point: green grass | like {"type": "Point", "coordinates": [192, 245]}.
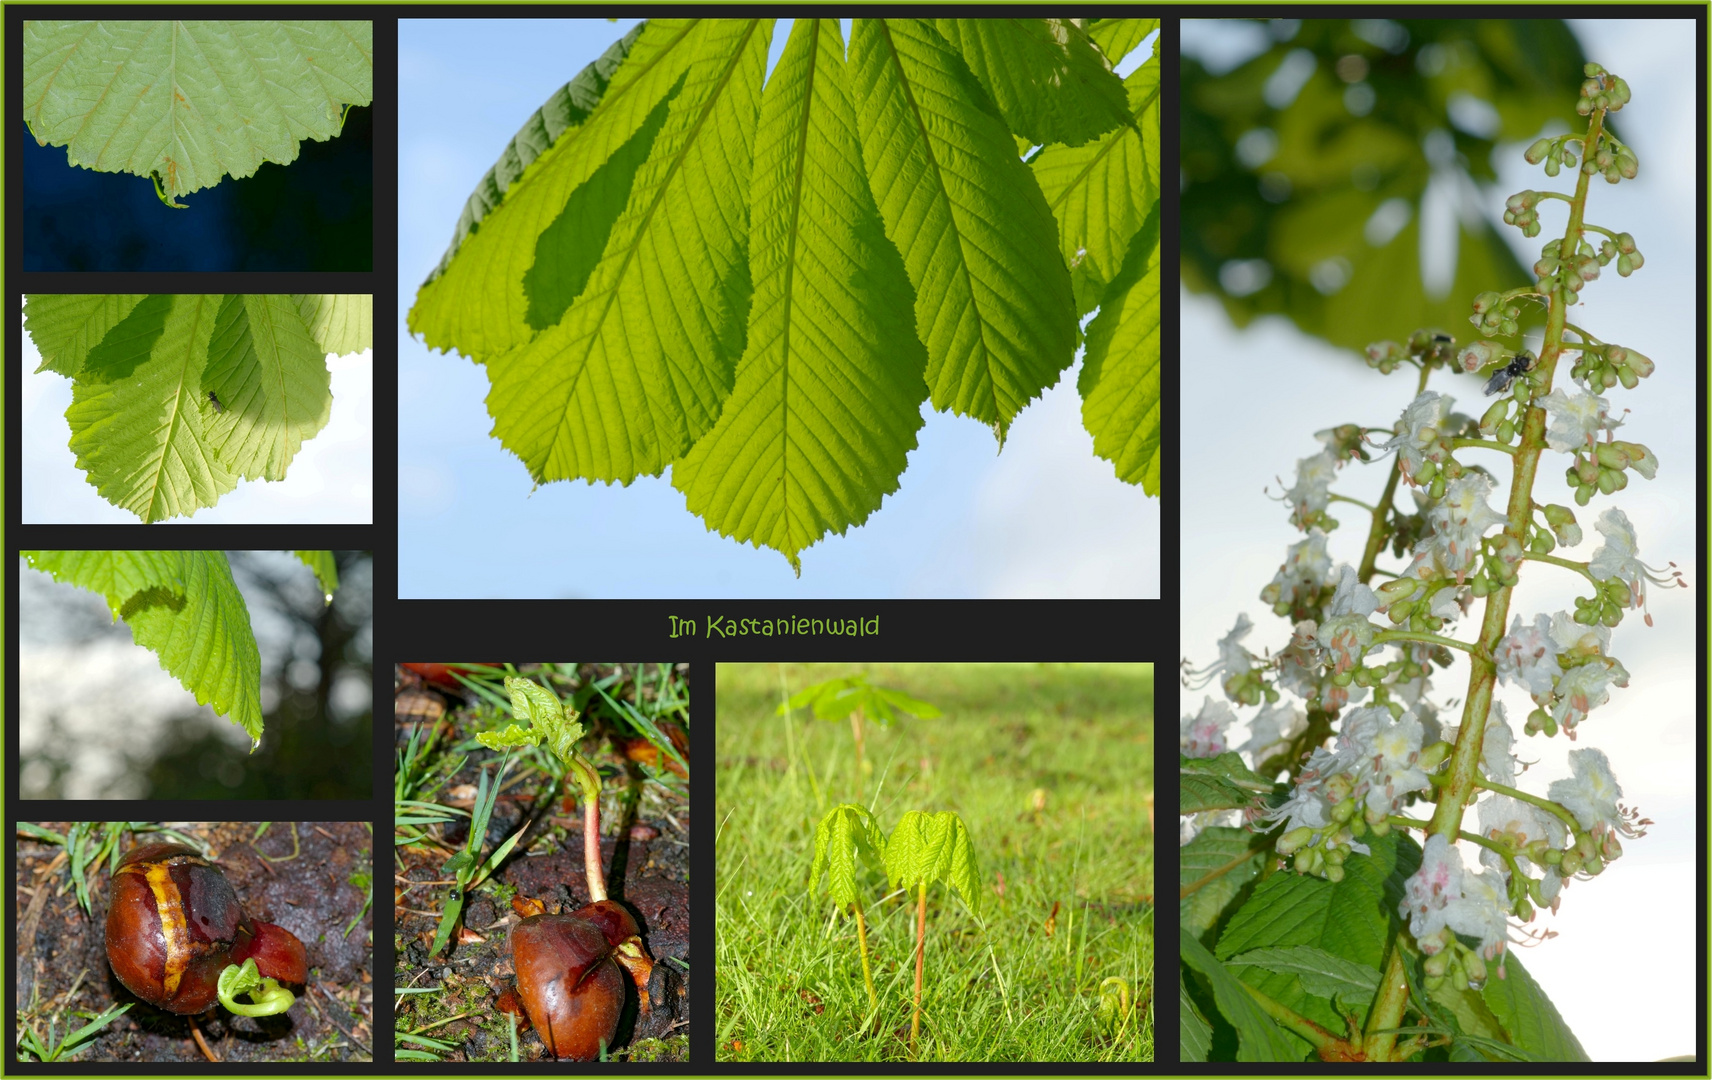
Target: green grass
{"type": "Point", "coordinates": [1076, 741]}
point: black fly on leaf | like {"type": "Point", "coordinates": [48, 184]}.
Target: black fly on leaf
{"type": "Point", "coordinates": [219, 408]}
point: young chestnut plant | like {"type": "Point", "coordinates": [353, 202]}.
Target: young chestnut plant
{"type": "Point", "coordinates": [845, 833]}
{"type": "Point", "coordinates": [854, 696]}
{"type": "Point", "coordinates": [923, 849]}
{"type": "Point", "coordinates": [570, 967]}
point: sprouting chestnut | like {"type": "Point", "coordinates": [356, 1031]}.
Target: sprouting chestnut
{"type": "Point", "coordinates": [571, 972]}
{"type": "Point", "coordinates": [174, 924]}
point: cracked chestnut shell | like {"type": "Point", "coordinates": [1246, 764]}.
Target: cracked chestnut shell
{"type": "Point", "coordinates": [174, 923]}
{"type": "Point", "coordinates": [570, 977]}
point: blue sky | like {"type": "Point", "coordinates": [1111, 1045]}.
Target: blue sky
{"type": "Point", "coordinates": [1044, 518]}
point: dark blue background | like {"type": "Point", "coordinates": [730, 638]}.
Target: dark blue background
{"type": "Point", "coordinates": [315, 214]}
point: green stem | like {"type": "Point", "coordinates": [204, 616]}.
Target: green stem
{"type": "Point", "coordinates": [588, 780]}
{"type": "Point", "coordinates": [1322, 1040]}
{"type": "Point", "coordinates": [1214, 875]}
{"type": "Point", "coordinates": [1385, 636]}
{"type": "Point", "coordinates": [1578, 567]}
{"type": "Point", "coordinates": [1388, 1008]}
{"type": "Point", "coordinates": [1353, 502]}
{"type": "Point", "coordinates": [862, 941]}
{"type": "Point", "coordinates": [1544, 804]}
{"type": "Point", "coordinates": [1464, 834]}
{"type": "Point", "coordinates": [1376, 531]}
{"type": "Point", "coordinates": [920, 946]}
{"type": "Point", "coordinates": [856, 730]}
{"type": "Point", "coordinates": [1482, 444]}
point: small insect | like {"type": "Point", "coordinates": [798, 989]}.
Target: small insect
{"type": "Point", "coordinates": [212, 400]}
{"type": "Point", "coordinates": [1504, 376]}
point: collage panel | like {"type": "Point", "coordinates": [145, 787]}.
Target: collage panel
{"type": "Point", "coordinates": [174, 675]}
{"type": "Point", "coordinates": [922, 862]}
{"type": "Point", "coordinates": [542, 839]}
{"type": "Point", "coordinates": [779, 307]}
{"type": "Point", "coordinates": [218, 409]}
{"type": "Point", "coordinates": [194, 942]}
{"type": "Point", "coordinates": [197, 145]}
{"type": "Point", "coordinates": [1442, 774]}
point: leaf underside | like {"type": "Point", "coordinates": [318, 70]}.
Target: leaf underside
{"type": "Point", "coordinates": [997, 319]}
{"type": "Point", "coordinates": [1049, 81]}
{"type": "Point", "coordinates": [143, 424]}
{"type": "Point", "coordinates": [828, 394]}
{"type": "Point", "coordinates": [636, 370]}
{"type": "Point", "coordinates": [674, 265]}
{"type": "Point", "coordinates": [1120, 367]}
{"type": "Point", "coordinates": [191, 102]}
{"type": "Point", "coordinates": [844, 834]}
{"type": "Point", "coordinates": [185, 607]}
{"type": "Point", "coordinates": [927, 848]}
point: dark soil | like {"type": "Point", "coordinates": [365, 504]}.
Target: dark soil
{"type": "Point", "coordinates": [644, 847]}
{"type": "Point", "coordinates": [62, 953]}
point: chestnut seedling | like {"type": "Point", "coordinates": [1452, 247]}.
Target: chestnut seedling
{"type": "Point", "coordinates": [570, 968]}
{"type": "Point", "coordinates": [179, 939]}
{"type": "Point", "coordinates": [923, 849]}
{"type": "Point", "coordinates": [843, 834]}
{"type": "Point", "coordinates": [854, 696]}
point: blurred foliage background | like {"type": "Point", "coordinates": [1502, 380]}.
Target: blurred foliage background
{"type": "Point", "coordinates": [1317, 167]}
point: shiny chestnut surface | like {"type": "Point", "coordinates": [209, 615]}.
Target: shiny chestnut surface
{"type": "Point", "coordinates": [174, 923]}
{"type": "Point", "coordinates": [569, 981]}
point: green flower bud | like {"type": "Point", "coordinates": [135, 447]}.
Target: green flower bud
{"type": "Point", "coordinates": [1294, 840]}
{"type": "Point", "coordinates": [1609, 846]}
{"type": "Point", "coordinates": [1334, 873]}
{"type": "Point", "coordinates": [1434, 756]}
{"type": "Point", "coordinates": [1611, 456]}
{"type": "Point", "coordinates": [1537, 152]}
{"type": "Point", "coordinates": [1339, 787]}
{"type": "Point", "coordinates": [1491, 418]}
{"type": "Point", "coordinates": [1437, 964]}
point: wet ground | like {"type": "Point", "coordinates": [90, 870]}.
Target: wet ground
{"type": "Point", "coordinates": [318, 894]}
{"type": "Point", "coordinates": [644, 848]}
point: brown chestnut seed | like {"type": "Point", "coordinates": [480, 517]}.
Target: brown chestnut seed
{"type": "Point", "coordinates": [571, 973]}
{"type": "Point", "coordinates": [174, 924]}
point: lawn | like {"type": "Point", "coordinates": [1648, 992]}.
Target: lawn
{"type": "Point", "coordinates": [1051, 768]}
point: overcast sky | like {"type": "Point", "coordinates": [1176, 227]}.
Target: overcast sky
{"type": "Point", "coordinates": [1044, 518]}
{"type": "Point", "coordinates": [1252, 402]}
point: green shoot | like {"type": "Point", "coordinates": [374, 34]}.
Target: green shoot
{"type": "Point", "coordinates": [270, 998]}
{"type": "Point", "coordinates": [555, 724]}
